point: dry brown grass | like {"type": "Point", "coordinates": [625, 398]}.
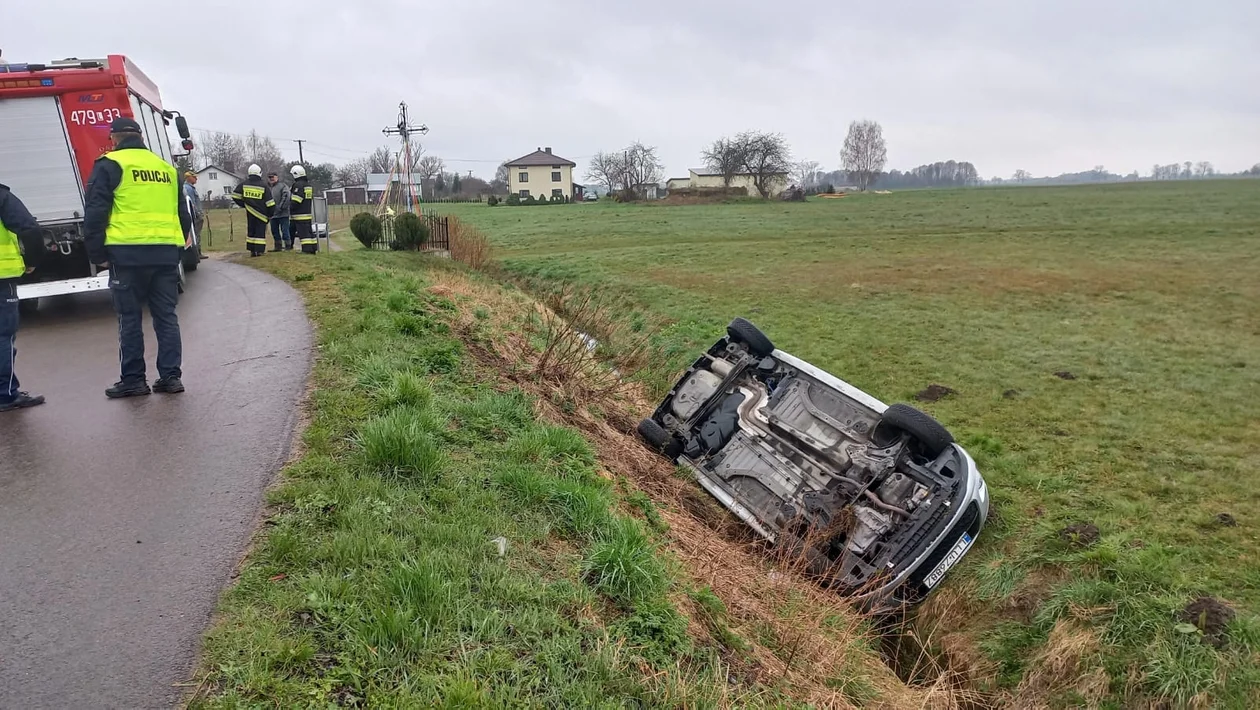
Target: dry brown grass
{"type": "Point", "coordinates": [468, 244]}
{"type": "Point", "coordinates": [800, 638]}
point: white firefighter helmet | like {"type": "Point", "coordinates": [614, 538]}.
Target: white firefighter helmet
{"type": "Point", "coordinates": [255, 170]}
{"type": "Point", "coordinates": [297, 171]}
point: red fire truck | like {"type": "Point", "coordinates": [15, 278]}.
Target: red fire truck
{"type": "Point", "coordinates": [54, 123]}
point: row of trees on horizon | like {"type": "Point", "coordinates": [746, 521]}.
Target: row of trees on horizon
{"type": "Point", "coordinates": [762, 155]}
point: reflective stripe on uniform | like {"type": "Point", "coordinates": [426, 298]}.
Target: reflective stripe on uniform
{"type": "Point", "coordinates": [301, 217]}
{"type": "Point", "coordinates": [296, 197]}
{"type": "Point", "coordinates": [12, 265]}
{"type": "Point", "coordinates": [256, 213]}
{"type": "Point", "coordinates": [146, 201]}
{"type": "Point", "coordinates": [256, 240]}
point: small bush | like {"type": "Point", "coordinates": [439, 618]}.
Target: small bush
{"type": "Point", "coordinates": [531, 200]}
{"type": "Point", "coordinates": [513, 200]}
{"type": "Point", "coordinates": [412, 231]}
{"type": "Point", "coordinates": [492, 201]}
{"type": "Point", "coordinates": [468, 245]}
{"type": "Point", "coordinates": [829, 189]}
{"type": "Point", "coordinates": [366, 228]}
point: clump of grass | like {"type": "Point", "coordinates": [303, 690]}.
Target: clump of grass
{"type": "Point", "coordinates": [402, 443]}
{"type": "Point", "coordinates": [623, 565]}
{"type": "Point", "coordinates": [407, 389]}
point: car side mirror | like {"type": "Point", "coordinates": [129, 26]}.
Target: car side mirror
{"type": "Point", "coordinates": [181, 125]}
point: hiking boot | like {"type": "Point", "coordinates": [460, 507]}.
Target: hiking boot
{"type": "Point", "coordinates": [128, 389]}
{"type": "Point", "coordinates": [22, 401]}
{"type": "Point", "coordinates": [168, 385]}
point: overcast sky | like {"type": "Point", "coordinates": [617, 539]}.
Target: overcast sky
{"type": "Point", "coordinates": [1058, 87]}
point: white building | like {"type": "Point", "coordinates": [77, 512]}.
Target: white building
{"type": "Point", "coordinates": [215, 182]}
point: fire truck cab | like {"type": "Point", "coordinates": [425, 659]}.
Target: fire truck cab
{"type": "Point", "coordinates": [54, 124]}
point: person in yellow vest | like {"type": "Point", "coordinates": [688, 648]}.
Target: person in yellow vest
{"type": "Point", "coordinates": [255, 197]}
{"type": "Point", "coordinates": [134, 224]}
{"type": "Point", "coordinates": [21, 245]}
{"type": "Point", "coordinates": [303, 199]}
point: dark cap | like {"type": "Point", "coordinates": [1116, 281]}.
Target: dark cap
{"type": "Point", "coordinates": [124, 125]}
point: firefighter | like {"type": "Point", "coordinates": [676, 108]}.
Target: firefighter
{"type": "Point", "coordinates": [134, 224]}
{"type": "Point", "coordinates": [21, 244]}
{"type": "Point", "coordinates": [303, 199]}
{"type": "Point", "coordinates": [255, 197]}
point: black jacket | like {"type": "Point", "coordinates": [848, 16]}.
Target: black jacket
{"type": "Point", "coordinates": [18, 219]}
{"type": "Point", "coordinates": [106, 174]}
{"type": "Point", "coordinates": [258, 210]}
{"type": "Point", "coordinates": [303, 197]}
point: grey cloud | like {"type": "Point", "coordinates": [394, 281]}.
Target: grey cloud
{"type": "Point", "coordinates": [1053, 87]}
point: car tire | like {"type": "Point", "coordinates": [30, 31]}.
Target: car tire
{"type": "Point", "coordinates": [191, 257]}
{"type": "Point", "coordinates": [931, 435]}
{"type": "Point", "coordinates": [741, 331]}
{"type": "Point", "coordinates": [656, 437]}
{"type": "Point", "coordinates": [28, 307]}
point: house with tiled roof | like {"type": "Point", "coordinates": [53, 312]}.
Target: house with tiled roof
{"type": "Point", "coordinates": [541, 174]}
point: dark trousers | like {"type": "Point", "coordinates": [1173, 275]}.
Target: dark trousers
{"type": "Point", "coordinates": [303, 232]}
{"type": "Point", "coordinates": [255, 235]}
{"type": "Point", "coordinates": [8, 339]}
{"type": "Point", "coordinates": [133, 288]}
{"type": "Point", "coordinates": [280, 233]}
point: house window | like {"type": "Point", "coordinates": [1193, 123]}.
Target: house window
{"type": "Point", "coordinates": [213, 176]}
{"type": "Point", "coordinates": [557, 192]}
{"type": "Point", "coordinates": [523, 177]}
{"type": "Point", "coordinates": [555, 176]}
{"type": "Point", "coordinates": [524, 193]}
{"type": "Point", "coordinates": [227, 190]}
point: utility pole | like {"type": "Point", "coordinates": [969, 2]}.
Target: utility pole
{"type": "Point", "coordinates": [300, 141]}
{"type": "Point", "coordinates": [404, 129]}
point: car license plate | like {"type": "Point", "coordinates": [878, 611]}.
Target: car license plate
{"type": "Point", "coordinates": [955, 553]}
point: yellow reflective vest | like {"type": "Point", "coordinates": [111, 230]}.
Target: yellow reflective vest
{"type": "Point", "coordinates": [146, 201]}
{"type": "Point", "coordinates": [12, 265]}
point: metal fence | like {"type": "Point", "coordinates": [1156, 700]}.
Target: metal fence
{"type": "Point", "coordinates": [439, 233]}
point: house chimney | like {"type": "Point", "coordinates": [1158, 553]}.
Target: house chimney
{"type": "Point", "coordinates": [548, 149]}
{"type": "Point", "coordinates": [539, 148]}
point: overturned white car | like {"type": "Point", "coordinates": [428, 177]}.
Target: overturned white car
{"type": "Point", "coordinates": [878, 499]}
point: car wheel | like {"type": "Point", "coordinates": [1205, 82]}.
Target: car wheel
{"type": "Point", "coordinates": [931, 435]}
{"type": "Point", "coordinates": [191, 257]}
{"type": "Point", "coordinates": [28, 307]}
{"type": "Point", "coordinates": [741, 331]}
{"type": "Point", "coordinates": [656, 436]}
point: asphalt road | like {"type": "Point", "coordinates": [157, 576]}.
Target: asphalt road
{"type": "Point", "coordinates": [121, 521]}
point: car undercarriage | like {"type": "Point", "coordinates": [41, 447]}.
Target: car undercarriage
{"type": "Point", "coordinates": [877, 500]}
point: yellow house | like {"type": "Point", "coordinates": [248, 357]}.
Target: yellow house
{"type": "Point", "coordinates": [541, 174]}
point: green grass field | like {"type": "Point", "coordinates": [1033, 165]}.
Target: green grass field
{"type": "Point", "coordinates": [1104, 348]}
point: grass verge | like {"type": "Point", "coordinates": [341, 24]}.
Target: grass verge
{"type": "Point", "coordinates": [443, 542]}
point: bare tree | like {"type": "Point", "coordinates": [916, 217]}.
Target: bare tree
{"type": "Point", "coordinates": [1021, 176]}
{"type": "Point", "coordinates": [381, 160]}
{"type": "Point", "coordinates": [263, 152]}
{"type": "Point", "coordinates": [224, 150]}
{"type": "Point", "coordinates": [766, 158]}
{"type": "Point", "coordinates": [641, 167]}
{"type": "Point", "coordinates": [430, 167]}
{"type": "Point", "coordinates": [352, 173]}
{"type": "Point", "coordinates": [499, 184]}
{"type": "Point", "coordinates": [725, 157]}
{"type": "Point", "coordinates": [1204, 169]}
{"type": "Point", "coordinates": [803, 172]}
{"type": "Point", "coordinates": [865, 152]}
{"type": "Point", "coordinates": [607, 169]}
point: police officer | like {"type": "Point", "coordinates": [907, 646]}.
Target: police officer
{"type": "Point", "coordinates": [255, 197]}
{"type": "Point", "coordinates": [303, 199]}
{"type": "Point", "coordinates": [134, 224]}
{"type": "Point", "coordinates": [19, 233]}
